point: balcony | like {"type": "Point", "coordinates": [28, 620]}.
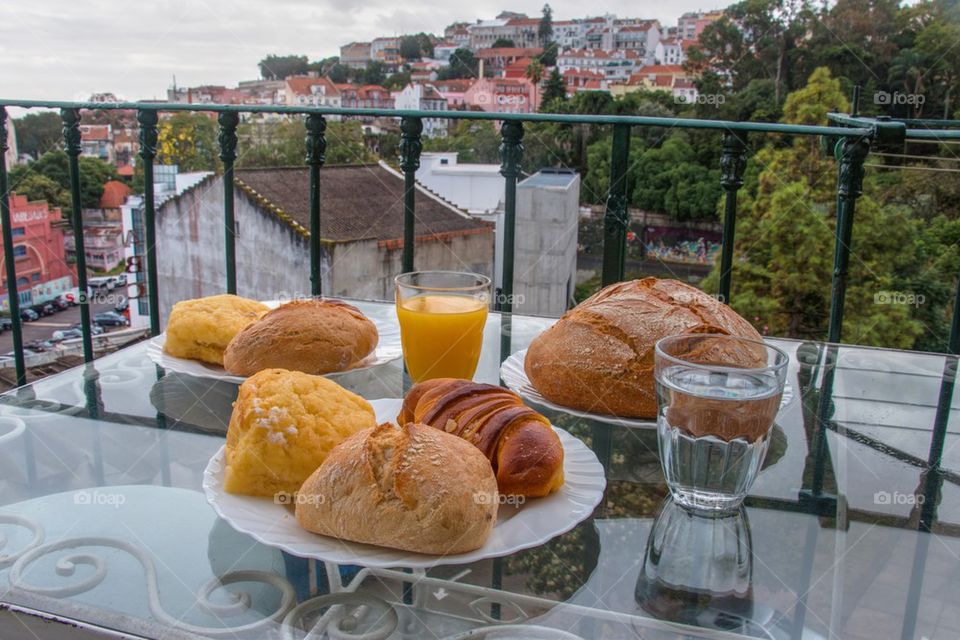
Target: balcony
{"type": "Point", "coordinates": [834, 455]}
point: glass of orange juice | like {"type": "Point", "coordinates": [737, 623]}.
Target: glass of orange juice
{"type": "Point", "coordinates": [441, 315]}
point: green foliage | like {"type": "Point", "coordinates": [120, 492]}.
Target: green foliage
{"type": "Point", "coordinates": [475, 141]}
{"type": "Point", "coordinates": [38, 133]}
{"type": "Point", "coordinates": [274, 67]}
{"type": "Point", "coordinates": [188, 140]}
{"type": "Point", "coordinates": [281, 144]}
{"type": "Point", "coordinates": [417, 46]}
{"type": "Point", "coordinates": [545, 28]}
{"type": "Point", "coordinates": [463, 64]}
{"type": "Point", "coordinates": [503, 42]}
{"type": "Point", "coordinates": [548, 57]}
{"type": "Point", "coordinates": [49, 179]}
{"type": "Point", "coordinates": [340, 73]}
{"type": "Point", "coordinates": [397, 81]}
{"type": "Point", "coordinates": [554, 90]}
{"type": "Point", "coordinates": [375, 73]}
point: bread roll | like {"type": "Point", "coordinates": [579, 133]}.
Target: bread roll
{"type": "Point", "coordinates": [412, 488]}
{"type": "Point", "coordinates": [599, 356]}
{"type": "Point", "coordinates": [524, 450]}
{"type": "Point", "coordinates": [283, 426]}
{"type": "Point", "coordinates": [314, 336]}
{"type": "Point", "coordinates": [200, 329]}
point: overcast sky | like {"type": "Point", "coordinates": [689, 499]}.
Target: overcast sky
{"type": "Point", "coordinates": [68, 49]}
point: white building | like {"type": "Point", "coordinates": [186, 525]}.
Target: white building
{"type": "Point", "coordinates": [669, 52]}
{"type": "Point", "coordinates": [613, 65]}
{"type": "Point", "coordinates": [424, 97]}
{"type": "Point", "coordinates": [475, 188]}
{"type": "Point", "coordinates": [443, 50]}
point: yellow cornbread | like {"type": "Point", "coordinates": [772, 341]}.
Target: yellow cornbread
{"type": "Point", "coordinates": [284, 423]}
{"type": "Point", "coordinates": [201, 329]}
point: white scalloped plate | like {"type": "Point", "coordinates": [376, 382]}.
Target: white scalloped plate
{"type": "Point", "coordinates": [532, 524]}
{"type": "Point", "coordinates": [515, 377]}
{"type": "Point", "coordinates": [388, 349]}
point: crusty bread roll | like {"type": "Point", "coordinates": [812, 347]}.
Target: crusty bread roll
{"type": "Point", "coordinates": [283, 425]}
{"type": "Point", "coordinates": [524, 450]}
{"type": "Point", "coordinates": [200, 329]}
{"type": "Point", "coordinates": [314, 336]}
{"type": "Point", "coordinates": [412, 488]}
{"type": "Point", "coordinates": [599, 356]}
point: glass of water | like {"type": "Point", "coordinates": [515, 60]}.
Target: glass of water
{"type": "Point", "coordinates": [717, 397]}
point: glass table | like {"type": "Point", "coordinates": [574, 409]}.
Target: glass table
{"type": "Point", "coordinates": [104, 530]}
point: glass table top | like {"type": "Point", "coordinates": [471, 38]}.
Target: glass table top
{"type": "Point", "coordinates": [846, 534]}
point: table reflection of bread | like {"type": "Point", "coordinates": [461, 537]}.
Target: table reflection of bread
{"type": "Point", "coordinates": [413, 488]}
{"type": "Point", "coordinates": [524, 450]}
{"type": "Point", "coordinates": [283, 426]}
{"type": "Point", "coordinates": [200, 329]}
{"type": "Point", "coordinates": [314, 336]}
{"type": "Point", "coordinates": [599, 356]}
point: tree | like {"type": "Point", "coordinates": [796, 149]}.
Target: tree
{"type": "Point", "coordinates": [410, 48]}
{"type": "Point", "coordinates": [545, 28]}
{"type": "Point", "coordinates": [463, 64]}
{"type": "Point", "coordinates": [339, 73]}
{"type": "Point", "coordinates": [54, 166]}
{"type": "Point", "coordinates": [38, 133]}
{"type": "Point", "coordinates": [36, 186]}
{"type": "Point", "coordinates": [548, 57]}
{"type": "Point", "coordinates": [503, 43]}
{"type": "Point", "coordinates": [274, 67]}
{"type": "Point", "coordinates": [534, 73]}
{"type": "Point", "coordinates": [375, 73]}
{"type": "Point", "coordinates": [475, 141]}
{"type": "Point", "coordinates": [188, 140]}
{"type": "Point", "coordinates": [397, 81]}
{"type": "Point", "coordinates": [281, 144]}
{"type": "Point", "coordinates": [554, 90]}
{"type": "Point", "coordinates": [323, 67]}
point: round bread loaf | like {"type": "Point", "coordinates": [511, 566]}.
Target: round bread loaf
{"type": "Point", "coordinates": [314, 336]}
{"type": "Point", "coordinates": [599, 356]}
{"type": "Point", "coordinates": [200, 329]}
{"type": "Point", "coordinates": [283, 426]}
{"type": "Point", "coordinates": [413, 487]}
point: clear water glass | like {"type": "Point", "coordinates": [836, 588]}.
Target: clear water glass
{"type": "Point", "coordinates": [717, 398]}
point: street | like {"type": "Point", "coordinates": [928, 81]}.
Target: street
{"type": "Point", "coordinates": [43, 328]}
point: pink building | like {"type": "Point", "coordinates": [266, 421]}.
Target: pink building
{"type": "Point", "coordinates": [503, 95]}
{"type": "Point", "coordinates": [454, 91]}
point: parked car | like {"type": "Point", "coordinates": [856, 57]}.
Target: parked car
{"type": "Point", "coordinates": [60, 303]}
{"type": "Point", "coordinates": [66, 334]}
{"type": "Point", "coordinates": [29, 315]}
{"type": "Point", "coordinates": [110, 319]}
{"type": "Point", "coordinates": [39, 346]}
{"type": "Point", "coordinates": [123, 306]}
{"type": "Point", "coordinates": [121, 280]}
{"type": "Point", "coordinates": [95, 329]}
{"type": "Point", "coordinates": [46, 309]}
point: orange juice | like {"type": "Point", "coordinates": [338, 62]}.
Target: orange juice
{"type": "Point", "coordinates": [441, 335]}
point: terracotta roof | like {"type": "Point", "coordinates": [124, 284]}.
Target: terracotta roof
{"type": "Point", "coordinates": [95, 131]}
{"type": "Point", "coordinates": [357, 202]}
{"type": "Point", "coordinates": [125, 170]}
{"type": "Point", "coordinates": [664, 81]}
{"type": "Point", "coordinates": [114, 194]}
{"type": "Point", "coordinates": [654, 69]}
{"type": "Point", "coordinates": [584, 73]}
{"type": "Point", "coordinates": [684, 84]}
{"type": "Point", "coordinates": [454, 86]}
{"type": "Point", "coordinates": [509, 52]}
{"type": "Point", "coordinates": [301, 85]}
{"type": "Point", "coordinates": [523, 22]}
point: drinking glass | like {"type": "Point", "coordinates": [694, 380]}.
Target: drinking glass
{"type": "Point", "coordinates": [442, 314]}
{"type": "Point", "coordinates": [717, 397]}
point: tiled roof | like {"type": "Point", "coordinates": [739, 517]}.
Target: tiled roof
{"type": "Point", "coordinates": [114, 194]}
{"type": "Point", "coordinates": [454, 86]}
{"type": "Point", "coordinates": [655, 69]}
{"type": "Point", "coordinates": [509, 52]}
{"type": "Point", "coordinates": [356, 202]}
{"type": "Point", "coordinates": [301, 85]}
{"type": "Point", "coordinates": [95, 131]}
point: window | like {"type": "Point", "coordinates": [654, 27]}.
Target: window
{"type": "Point", "coordinates": [19, 251]}
{"type": "Point", "coordinates": [35, 277]}
{"type": "Point", "coordinates": [21, 282]}
{"type": "Point", "coordinates": [18, 231]}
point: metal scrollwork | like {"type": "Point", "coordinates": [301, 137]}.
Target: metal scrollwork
{"type": "Point", "coordinates": [733, 161]}
{"type": "Point", "coordinates": [851, 153]}
{"type": "Point", "coordinates": [71, 131]}
{"type": "Point", "coordinates": [345, 612]}
{"type": "Point", "coordinates": [228, 121]}
{"type": "Point", "coordinates": [511, 148]}
{"type": "Point", "coordinates": [66, 566]}
{"type": "Point", "coordinates": [7, 559]}
{"type": "Point", "coordinates": [148, 134]}
{"type": "Point", "coordinates": [316, 140]}
{"type": "Point", "coordinates": [410, 143]}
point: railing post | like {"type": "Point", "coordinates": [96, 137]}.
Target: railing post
{"type": "Point", "coordinates": [851, 154]}
{"type": "Point", "coordinates": [616, 219]}
{"type": "Point", "coordinates": [13, 295]}
{"type": "Point", "coordinates": [71, 138]}
{"type": "Point", "coordinates": [733, 162]}
{"type": "Point", "coordinates": [148, 151]}
{"type": "Point", "coordinates": [316, 156]}
{"type": "Point", "coordinates": [228, 153]}
{"type": "Point", "coordinates": [410, 148]}
{"type": "Point", "coordinates": [511, 158]}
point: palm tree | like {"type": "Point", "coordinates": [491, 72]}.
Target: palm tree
{"type": "Point", "coordinates": [534, 74]}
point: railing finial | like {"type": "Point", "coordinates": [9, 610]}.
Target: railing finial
{"type": "Point", "coordinates": [316, 140]}
{"type": "Point", "coordinates": [410, 143]}
{"type": "Point", "coordinates": [733, 161]}
{"type": "Point", "coordinates": [71, 131]}
{"type": "Point", "coordinates": [148, 134]}
{"type": "Point", "coordinates": [228, 121]}
{"type": "Point", "coordinates": [511, 148]}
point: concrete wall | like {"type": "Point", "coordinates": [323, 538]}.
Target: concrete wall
{"type": "Point", "coordinates": [273, 261]}
{"type": "Point", "coordinates": [546, 248]}
{"type": "Point", "coordinates": [475, 188]}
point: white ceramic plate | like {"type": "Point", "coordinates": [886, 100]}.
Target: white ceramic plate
{"type": "Point", "coordinates": [532, 524]}
{"type": "Point", "coordinates": [515, 377]}
{"type": "Point", "coordinates": [388, 349]}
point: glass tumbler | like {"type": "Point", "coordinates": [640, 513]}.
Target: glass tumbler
{"type": "Point", "coordinates": [717, 397]}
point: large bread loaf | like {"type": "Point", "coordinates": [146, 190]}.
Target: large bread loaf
{"type": "Point", "coordinates": [599, 356]}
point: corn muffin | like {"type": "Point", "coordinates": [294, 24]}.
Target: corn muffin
{"type": "Point", "coordinates": [201, 329]}
{"type": "Point", "coordinates": [283, 426]}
